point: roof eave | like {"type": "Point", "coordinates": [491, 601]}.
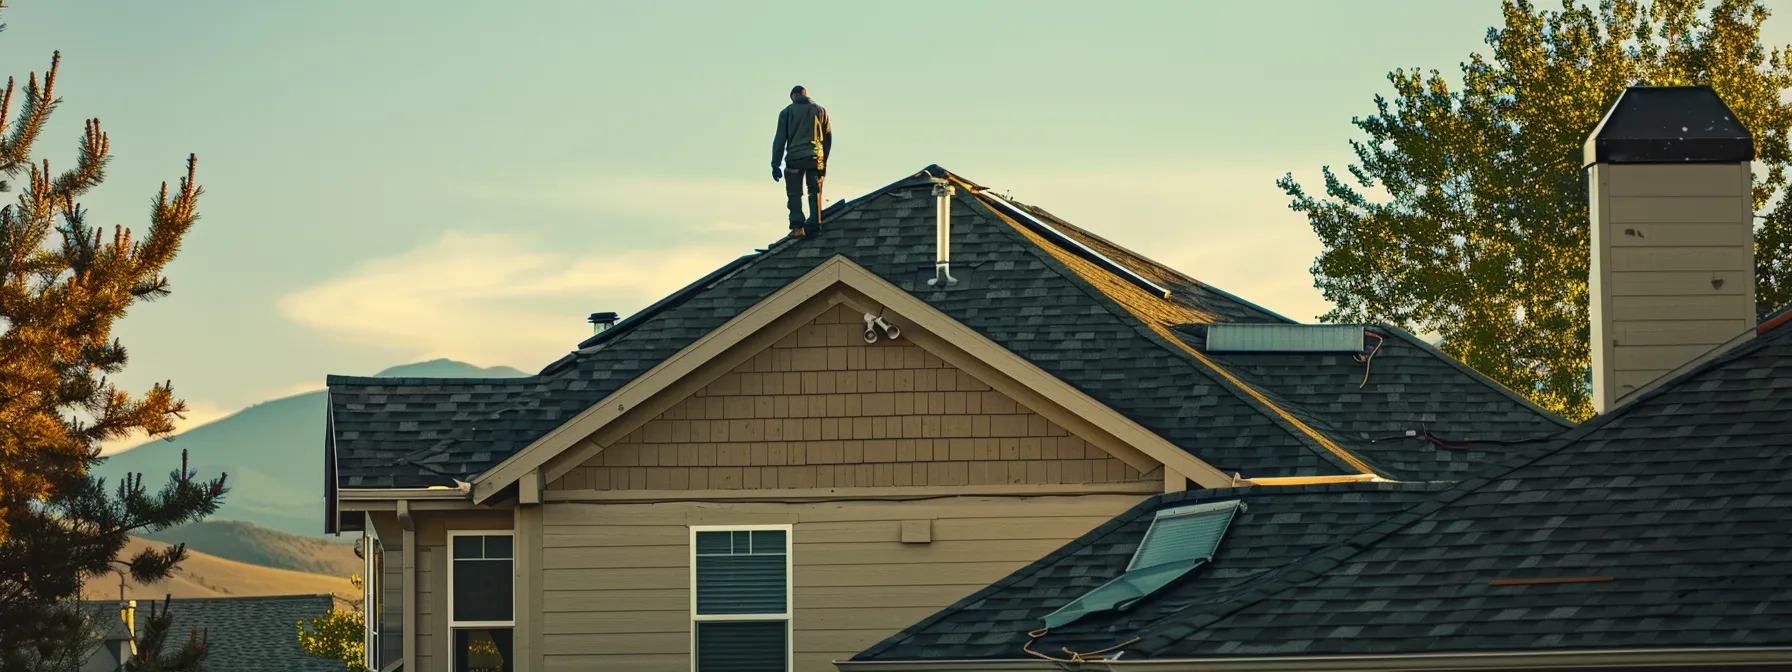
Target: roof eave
{"type": "Point", "coordinates": [1490, 660]}
{"type": "Point", "coordinates": [390, 494]}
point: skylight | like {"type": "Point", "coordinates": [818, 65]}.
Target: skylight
{"type": "Point", "coordinates": [1285, 338]}
{"type": "Point", "coordinates": [1178, 541]}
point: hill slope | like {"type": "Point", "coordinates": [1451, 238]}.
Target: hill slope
{"type": "Point", "coordinates": [203, 575]}
{"type": "Point", "coordinates": [249, 543]}
{"type": "Point", "coordinates": [273, 451]}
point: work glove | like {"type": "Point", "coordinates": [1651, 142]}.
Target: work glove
{"type": "Point", "coordinates": [777, 173]}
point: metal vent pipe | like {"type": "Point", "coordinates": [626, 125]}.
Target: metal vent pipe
{"type": "Point", "coordinates": [942, 259]}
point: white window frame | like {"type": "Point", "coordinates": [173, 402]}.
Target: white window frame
{"type": "Point", "coordinates": [474, 625]}
{"type": "Point", "coordinates": [789, 594]}
{"type": "Point", "coordinates": [371, 584]}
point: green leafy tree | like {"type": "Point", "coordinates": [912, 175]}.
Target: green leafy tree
{"type": "Point", "coordinates": [338, 634]}
{"type": "Point", "coordinates": [63, 285]}
{"type": "Point", "coordinates": [1480, 232]}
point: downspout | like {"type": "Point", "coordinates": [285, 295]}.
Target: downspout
{"type": "Point", "coordinates": [942, 212]}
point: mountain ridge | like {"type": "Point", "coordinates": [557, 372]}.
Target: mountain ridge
{"type": "Point", "coordinates": [272, 451]}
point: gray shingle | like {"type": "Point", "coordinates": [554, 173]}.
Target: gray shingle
{"type": "Point", "coordinates": [243, 634]}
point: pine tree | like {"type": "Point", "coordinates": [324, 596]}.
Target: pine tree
{"type": "Point", "coordinates": [150, 655]}
{"type": "Point", "coordinates": [63, 285]}
{"type": "Point", "coordinates": [1483, 237]}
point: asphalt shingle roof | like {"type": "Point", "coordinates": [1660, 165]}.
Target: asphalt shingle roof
{"type": "Point", "coordinates": [243, 634]}
{"type": "Point", "coordinates": [1666, 523]}
{"type": "Point", "coordinates": [1073, 318]}
{"type": "Point", "coordinates": [1277, 527]}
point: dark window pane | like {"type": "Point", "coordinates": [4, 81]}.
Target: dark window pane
{"type": "Point", "coordinates": [467, 547]}
{"type": "Point", "coordinates": [483, 650]}
{"type": "Point", "coordinates": [740, 584]}
{"type": "Point", "coordinates": [482, 590]}
{"type": "Point", "coordinates": [768, 541]}
{"type": "Point", "coordinates": [497, 546]}
{"type": "Point", "coordinates": [741, 646]}
{"type": "Point", "coordinates": [712, 543]}
{"type": "Point", "coordinates": [740, 541]}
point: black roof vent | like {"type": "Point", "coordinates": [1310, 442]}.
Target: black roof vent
{"type": "Point", "coordinates": [601, 321]}
{"type": "Point", "coordinates": [1669, 124]}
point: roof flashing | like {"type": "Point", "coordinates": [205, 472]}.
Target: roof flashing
{"type": "Point", "coordinates": [1071, 245]}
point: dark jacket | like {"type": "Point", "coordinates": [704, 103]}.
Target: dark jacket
{"type": "Point", "coordinates": [803, 133]}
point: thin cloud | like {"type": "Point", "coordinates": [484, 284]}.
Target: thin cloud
{"type": "Point", "coordinates": [198, 414]}
{"type": "Point", "coordinates": [492, 297]}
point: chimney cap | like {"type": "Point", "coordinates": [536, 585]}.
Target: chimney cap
{"type": "Point", "coordinates": [1669, 124]}
{"type": "Point", "coordinates": [605, 318]}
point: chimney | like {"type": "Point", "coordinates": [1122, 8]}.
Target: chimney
{"type": "Point", "coordinates": [942, 214]}
{"type": "Point", "coordinates": [1673, 273]}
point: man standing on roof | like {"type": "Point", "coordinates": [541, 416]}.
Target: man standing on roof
{"type": "Point", "coordinates": [803, 144]}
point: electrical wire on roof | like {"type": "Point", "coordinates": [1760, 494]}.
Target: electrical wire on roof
{"type": "Point", "coordinates": [1368, 358]}
{"type": "Point", "coordinates": [1470, 444]}
{"type": "Point", "coordinates": [1074, 656]}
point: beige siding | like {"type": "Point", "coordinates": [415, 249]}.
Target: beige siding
{"type": "Point", "coordinates": [391, 619]}
{"type": "Point", "coordinates": [432, 576]}
{"type": "Point", "coordinates": [1672, 269]}
{"type": "Point", "coordinates": [822, 409]}
{"type": "Point", "coordinates": [616, 577]}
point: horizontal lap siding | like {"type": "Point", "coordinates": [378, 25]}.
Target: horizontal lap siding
{"type": "Point", "coordinates": [432, 576]}
{"type": "Point", "coordinates": [616, 577]}
{"type": "Point", "coordinates": [822, 409]}
{"type": "Point", "coordinates": [1673, 270]}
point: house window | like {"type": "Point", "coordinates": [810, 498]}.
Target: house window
{"type": "Point", "coordinates": [740, 598]}
{"type": "Point", "coordinates": [481, 601]}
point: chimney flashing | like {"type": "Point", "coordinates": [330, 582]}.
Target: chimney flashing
{"type": "Point", "coordinates": [1668, 124]}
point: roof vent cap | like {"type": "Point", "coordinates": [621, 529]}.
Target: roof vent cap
{"type": "Point", "coordinates": [601, 321]}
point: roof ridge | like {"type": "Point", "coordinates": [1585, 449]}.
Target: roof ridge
{"type": "Point", "coordinates": [1161, 335]}
{"type": "Point", "coordinates": [334, 379]}
{"type": "Point", "coordinates": [237, 598]}
{"type": "Point", "coordinates": [1153, 263]}
{"type": "Point", "coordinates": [1396, 330]}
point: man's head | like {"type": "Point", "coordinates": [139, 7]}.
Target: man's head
{"type": "Point", "coordinates": [797, 92]}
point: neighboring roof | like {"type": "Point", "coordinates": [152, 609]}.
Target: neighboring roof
{"type": "Point", "coordinates": [1661, 525]}
{"type": "Point", "coordinates": [1071, 316]}
{"type": "Point", "coordinates": [1278, 526]}
{"type": "Point", "coordinates": [1669, 124]}
{"type": "Point", "coordinates": [106, 618]}
{"type": "Point", "coordinates": [243, 634]}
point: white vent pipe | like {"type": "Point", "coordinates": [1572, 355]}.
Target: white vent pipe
{"type": "Point", "coordinates": [942, 260]}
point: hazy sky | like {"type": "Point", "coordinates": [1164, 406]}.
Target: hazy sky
{"type": "Point", "coordinates": [393, 181]}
